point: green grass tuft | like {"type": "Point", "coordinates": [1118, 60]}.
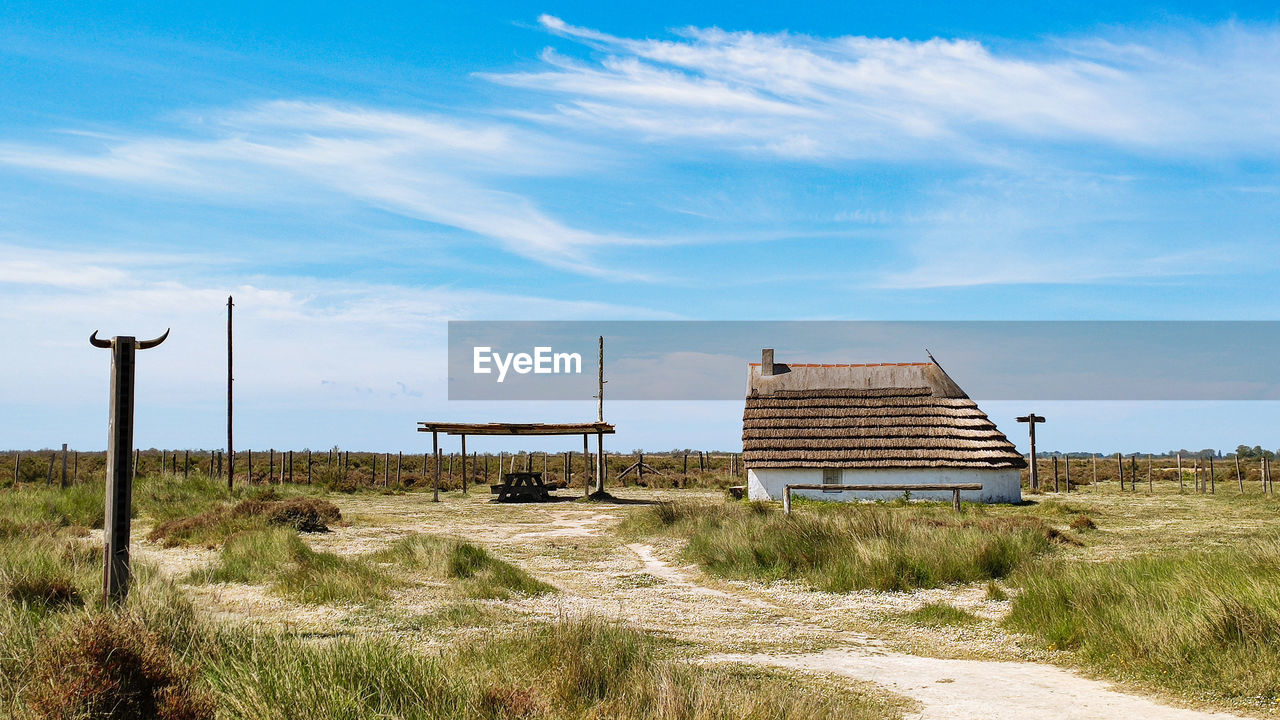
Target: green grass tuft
{"type": "Point", "coordinates": [479, 573]}
{"type": "Point", "coordinates": [847, 547]}
{"type": "Point", "coordinates": [1201, 623]}
{"type": "Point", "coordinates": [278, 557]}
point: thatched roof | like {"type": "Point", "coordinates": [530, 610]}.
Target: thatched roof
{"type": "Point", "coordinates": [903, 415]}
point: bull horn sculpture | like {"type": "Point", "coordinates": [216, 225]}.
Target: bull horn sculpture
{"type": "Point", "coordinates": [147, 344]}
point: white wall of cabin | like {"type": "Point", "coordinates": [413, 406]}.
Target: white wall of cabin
{"type": "Point", "coordinates": [998, 485]}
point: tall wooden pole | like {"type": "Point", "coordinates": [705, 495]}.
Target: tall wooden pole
{"type": "Point", "coordinates": [231, 445]}
{"type": "Point", "coordinates": [1239, 477]}
{"type": "Point", "coordinates": [63, 483]}
{"type": "Point", "coordinates": [119, 474]}
{"type": "Point", "coordinates": [586, 465]}
{"type": "Point", "coordinates": [464, 464]}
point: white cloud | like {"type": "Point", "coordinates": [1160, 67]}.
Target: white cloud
{"type": "Point", "coordinates": [440, 170]}
{"type": "Point", "coordinates": [1205, 90]}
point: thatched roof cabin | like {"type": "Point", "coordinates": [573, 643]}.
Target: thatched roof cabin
{"type": "Point", "coordinates": [864, 417]}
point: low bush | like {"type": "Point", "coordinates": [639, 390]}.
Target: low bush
{"type": "Point", "coordinates": [304, 514]}
{"type": "Point", "coordinates": [1082, 523]}
{"type": "Point", "coordinates": [107, 666]}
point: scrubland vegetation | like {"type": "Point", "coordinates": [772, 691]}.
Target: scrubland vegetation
{"type": "Point", "coordinates": [64, 655]}
{"type": "Point", "coordinates": [851, 546]}
{"type": "Point", "coordinates": [1204, 623]}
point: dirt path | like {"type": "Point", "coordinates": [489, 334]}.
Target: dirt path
{"type": "Point", "coordinates": [958, 689]}
{"type": "Point", "coordinates": [982, 690]}
{"type": "Point", "coordinates": [781, 624]}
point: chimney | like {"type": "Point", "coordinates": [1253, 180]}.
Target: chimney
{"type": "Point", "coordinates": [766, 362]}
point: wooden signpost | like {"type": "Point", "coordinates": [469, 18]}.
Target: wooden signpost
{"type": "Point", "coordinates": [1031, 419]}
{"type": "Point", "coordinates": [115, 576]}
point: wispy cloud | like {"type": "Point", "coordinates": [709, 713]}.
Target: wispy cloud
{"type": "Point", "coordinates": [441, 170]}
{"type": "Point", "coordinates": [1202, 90]}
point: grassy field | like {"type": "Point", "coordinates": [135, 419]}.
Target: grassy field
{"type": "Point", "coordinates": [311, 597]}
{"type": "Point", "coordinates": [64, 655]}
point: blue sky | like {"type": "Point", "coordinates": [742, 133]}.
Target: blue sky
{"type": "Point", "coordinates": [357, 178]}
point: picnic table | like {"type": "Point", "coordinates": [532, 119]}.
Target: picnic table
{"type": "Point", "coordinates": [522, 487]}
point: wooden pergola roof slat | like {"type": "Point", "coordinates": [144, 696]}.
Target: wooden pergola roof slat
{"type": "Point", "coordinates": [449, 428]}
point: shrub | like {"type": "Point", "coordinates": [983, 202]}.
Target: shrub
{"type": "Point", "coordinates": [110, 666]}
{"type": "Point", "coordinates": [1081, 523]}
{"type": "Point", "coordinates": [300, 513]}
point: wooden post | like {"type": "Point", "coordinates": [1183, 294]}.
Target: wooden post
{"type": "Point", "coordinates": [271, 465]}
{"type": "Point", "coordinates": [386, 470]}
{"type": "Point", "coordinates": [119, 474]}
{"type": "Point", "coordinates": [399, 464]}
{"type": "Point", "coordinates": [1180, 482]}
{"type": "Point", "coordinates": [63, 483]}
{"type": "Point", "coordinates": [600, 466]}
{"type": "Point", "coordinates": [135, 463]}
{"type": "Point", "coordinates": [786, 500]}
{"type": "Point", "coordinates": [955, 499]}
{"type": "Point", "coordinates": [435, 451]}
{"type": "Point", "coordinates": [17, 466]}
{"type": "Point", "coordinates": [464, 464]}
{"type": "Point", "coordinates": [1239, 477]}
{"type": "Point", "coordinates": [486, 468]}
{"type": "Point", "coordinates": [640, 468]}
{"type": "Point", "coordinates": [75, 467]}
{"type": "Point", "coordinates": [568, 469]}
{"type": "Point", "coordinates": [1133, 472]}
{"type": "Point", "coordinates": [1055, 473]}
{"type": "Point", "coordinates": [1095, 472]}
{"type": "Point", "coordinates": [1151, 485]}
{"type": "Point", "coordinates": [1067, 467]}
{"type": "Point", "coordinates": [1033, 476]}
{"type": "Point", "coordinates": [1213, 480]}
{"type": "Point", "coordinates": [308, 467]}
{"type": "Point", "coordinates": [586, 467]}
{"type": "Point", "coordinates": [231, 446]}
{"type": "Point", "coordinates": [684, 470]}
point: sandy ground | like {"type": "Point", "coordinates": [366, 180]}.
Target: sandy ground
{"type": "Point", "coordinates": [975, 671]}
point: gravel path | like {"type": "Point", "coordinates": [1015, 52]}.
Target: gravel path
{"type": "Point", "coordinates": [959, 689]}
{"type": "Point", "coordinates": [982, 690]}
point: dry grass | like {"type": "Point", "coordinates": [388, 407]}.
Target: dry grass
{"type": "Point", "coordinates": [304, 514]}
